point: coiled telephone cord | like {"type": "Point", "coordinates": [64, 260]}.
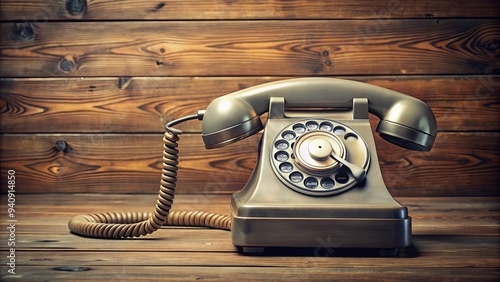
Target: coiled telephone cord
{"type": "Point", "coordinates": [135, 224]}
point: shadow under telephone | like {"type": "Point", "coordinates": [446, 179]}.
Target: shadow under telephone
{"type": "Point", "coordinates": [317, 173]}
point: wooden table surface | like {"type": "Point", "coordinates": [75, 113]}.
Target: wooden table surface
{"type": "Point", "coordinates": [454, 239]}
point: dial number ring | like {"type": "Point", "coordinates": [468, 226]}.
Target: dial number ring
{"type": "Point", "coordinates": [303, 163]}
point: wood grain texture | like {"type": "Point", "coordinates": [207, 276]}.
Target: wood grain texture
{"type": "Point", "coordinates": [460, 164]}
{"type": "Point", "coordinates": [121, 163]}
{"type": "Point", "coordinates": [190, 273]}
{"type": "Point", "coordinates": [39, 10]}
{"type": "Point", "coordinates": [146, 104]}
{"type": "Point", "coordinates": [234, 48]}
{"type": "Point", "coordinates": [85, 90]}
{"type": "Point", "coordinates": [453, 238]}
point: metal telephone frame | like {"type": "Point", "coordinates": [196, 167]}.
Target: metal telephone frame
{"type": "Point", "coordinates": [266, 213]}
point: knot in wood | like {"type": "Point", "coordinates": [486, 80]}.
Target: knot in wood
{"type": "Point", "coordinates": [66, 64]}
{"type": "Point", "coordinates": [22, 32]}
{"type": "Point", "coordinates": [492, 45]}
{"type": "Point", "coordinates": [61, 146]}
{"type": "Point", "coordinates": [72, 268]}
{"type": "Point", "coordinates": [76, 7]}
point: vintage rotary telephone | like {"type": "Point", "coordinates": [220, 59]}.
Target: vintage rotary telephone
{"type": "Point", "coordinates": [317, 174]}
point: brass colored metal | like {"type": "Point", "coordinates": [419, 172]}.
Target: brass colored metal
{"type": "Point", "coordinates": [320, 149]}
{"type": "Point", "coordinates": [313, 149]}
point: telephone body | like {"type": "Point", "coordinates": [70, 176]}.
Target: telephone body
{"type": "Point", "coordinates": [298, 194]}
{"type": "Point", "coordinates": [317, 181]}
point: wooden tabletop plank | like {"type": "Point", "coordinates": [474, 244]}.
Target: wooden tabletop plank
{"type": "Point", "coordinates": [243, 48]}
{"type": "Point", "coordinates": [172, 239]}
{"type": "Point", "coordinates": [220, 9]}
{"type": "Point", "coordinates": [31, 231]}
{"type": "Point", "coordinates": [246, 273]}
{"type": "Point", "coordinates": [61, 206]}
{"type": "Point", "coordinates": [423, 224]}
{"type": "Point", "coordinates": [467, 257]}
{"type": "Point", "coordinates": [146, 104]}
{"type": "Point", "coordinates": [83, 201]}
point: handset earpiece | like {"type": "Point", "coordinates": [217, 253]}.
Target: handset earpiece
{"type": "Point", "coordinates": [409, 123]}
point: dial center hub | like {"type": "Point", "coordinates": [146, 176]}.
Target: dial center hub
{"type": "Point", "coordinates": [320, 149]}
{"type": "Point", "coordinates": [312, 152]}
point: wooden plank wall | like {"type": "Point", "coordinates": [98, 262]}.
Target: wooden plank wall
{"type": "Point", "coordinates": [87, 86]}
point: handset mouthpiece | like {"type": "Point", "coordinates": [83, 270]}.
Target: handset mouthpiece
{"type": "Point", "coordinates": [228, 120]}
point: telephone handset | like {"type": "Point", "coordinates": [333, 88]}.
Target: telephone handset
{"type": "Point", "coordinates": [317, 174]}
{"type": "Point", "coordinates": [404, 120]}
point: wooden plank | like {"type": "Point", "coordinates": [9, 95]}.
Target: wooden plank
{"type": "Point", "coordinates": [453, 163]}
{"type": "Point", "coordinates": [39, 10]}
{"type": "Point", "coordinates": [421, 227]}
{"type": "Point", "coordinates": [131, 164]}
{"type": "Point", "coordinates": [459, 258]}
{"type": "Point", "coordinates": [52, 204]}
{"type": "Point", "coordinates": [52, 201]}
{"type": "Point", "coordinates": [214, 48]}
{"type": "Point", "coordinates": [121, 163]}
{"type": "Point", "coordinates": [145, 104]}
{"type": "Point", "coordinates": [222, 273]}
{"type": "Point", "coordinates": [66, 171]}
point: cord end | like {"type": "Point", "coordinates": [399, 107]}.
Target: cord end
{"type": "Point", "coordinates": [200, 114]}
{"type": "Point", "coordinates": [169, 127]}
{"type": "Point", "coordinates": [173, 130]}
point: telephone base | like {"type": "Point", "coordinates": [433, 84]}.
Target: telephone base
{"type": "Point", "coordinates": [388, 252]}
{"type": "Point", "coordinates": [252, 250]}
{"type": "Point", "coordinates": [331, 233]}
{"type": "Point", "coordinates": [318, 252]}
